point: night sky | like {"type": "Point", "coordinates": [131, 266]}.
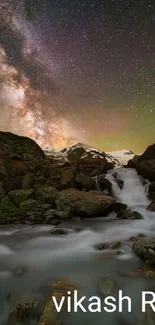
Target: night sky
{"type": "Point", "coordinates": [79, 71]}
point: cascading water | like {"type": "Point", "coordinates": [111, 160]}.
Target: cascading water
{"type": "Point", "coordinates": [133, 191]}
{"type": "Point", "coordinates": [43, 257]}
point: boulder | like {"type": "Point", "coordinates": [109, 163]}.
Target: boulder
{"type": "Point", "coordinates": [2, 191]}
{"type": "Point", "coordinates": [145, 164]}
{"type": "Point", "coordinates": [18, 145]}
{"type": "Point", "coordinates": [28, 181]}
{"type": "Point", "coordinates": [9, 212]}
{"type": "Point", "coordinates": [85, 204]}
{"type": "Point", "coordinates": [59, 231]}
{"type": "Point", "coordinates": [24, 312]}
{"type": "Point", "coordinates": [151, 206]}
{"type": "Point", "coordinates": [151, 191]}
{"type": "Point", "coordinates": [101, 246]}
{"type": "Point", "coordinates": [128, 214]}
{"type": "Point", "coordinates": [18, 196]}
{"type": "Point", "coordinates": [104, 184]}
{"type": "Point", "coordinates": [145, 250]}
{"type": "Point", "coordinates": [120, 207]}
{"type": "Point", "coordinates": [85, 182]}
{"type": "Point", "coordinates": [49, 314]}
{"type": "Point", "coordinates": [46, 194]}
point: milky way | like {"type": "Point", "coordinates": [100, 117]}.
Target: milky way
{"type": "Point", "coordinates": [79, 71]}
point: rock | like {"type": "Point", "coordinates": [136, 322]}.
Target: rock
{"type": "Point", "coordinates": [151, 191]}
{"type": "Point", "coordinates": [46, 194]}
{"type": "Point", "coordinates": [55, 214]}
{"type": "Point", "coordinates": [85, 204]}
{"type": "Point", "coordinates": [18, 145]}
{"type": "Point", "coordinates": [120, 207]}
{"type": "Point", "coordinates": [55, 222]}
{"type": "Point", "coordinates": [9, 212]}
{"type": "Point", "coordinates": [59, 231]}
{"type": "Point", "coordinates": [67, 178]}
{"type": "Point", "coordinates": [130, 215]}
{"type": "Point", "coordinates": [116, 245]}
{"type": "Point", "coordinates": [28, 181]}
{"type": "Point", "coordinates": [29, 204]}
{"type": "Point", "coordinates": [84, 181]}
{"type": "Point", "coordinates": [151, 207]}
{"type": "Point", "coordinates": [107, 287]}
{"type": "Point", "coordinates": [145, 250]}
{"type": "Point", "coordinates": [119, 182]}
{"type": "Point", "coordinates": [50, 316]}
{"type": "Point", "coordinates": [18, 196]}
{"type": "Point", "coordinates": [101, 246]}
{"type": "Point", "coordinates": [24, 311]}
{"type": "Point", "coordinates": [93, 163]}
{"type": "Point", "coordinates": [104, 183]}
{"type": "Point", "coordinates": [119, 252]}
{"type": "Point", "coordinates": [145, 164]}
{"type": "Point", "coordinates": [2, 191]}
{"type": "Point", "coordinates": [21, 271]}
{"type": "Point", "coordinates": [88, 160]}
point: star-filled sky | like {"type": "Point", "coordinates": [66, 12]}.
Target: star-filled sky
{"type": "Point", "coordinates": [79, 70]}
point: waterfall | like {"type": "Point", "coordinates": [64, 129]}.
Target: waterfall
{"type": "Point", "coordinates": [97, 184]}
{"type": "Point", "coordinates": [133, 192]}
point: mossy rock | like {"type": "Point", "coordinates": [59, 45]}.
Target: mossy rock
{"type": "Point", "coordinates": [8, 211]}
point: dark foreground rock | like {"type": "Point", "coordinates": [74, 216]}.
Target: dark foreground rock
{"type": "Point", "coordinates": [145, 250]}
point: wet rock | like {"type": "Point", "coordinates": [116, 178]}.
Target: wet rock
{"type": "Point", "coordinates": [119, 182]}
{"type": "Point", "coordinates": [107, 287]}
{"type": "Point", "coordinates": [104, 184]}
{"type": "Point", "coordinates": [18, 196]}
{"type": "Point", "coordinates": [120, 207]}
{"type": "Point", "coordinates": [85, 204]}
{"type": "Point", "coordinates": [116, 245]}
{"type": "Point", "coordinates": [151, 191]}
{"type": "Point", "coordinates": [58, 232]}
{"type": "Point", "coordinates": [131, 215]}
{"type": "Point", "coordinates": [50, 315]}
{"type": "Point", "coordinates": [145, 250]}
{"type": "Point", "coordinates": [101, 246]}
{"type": "Point", "coordinates": [24, 312]}
{"type": "Point", "coordinates": [151, 207]}
{"type": "Point", "coordinates": [119, 252]}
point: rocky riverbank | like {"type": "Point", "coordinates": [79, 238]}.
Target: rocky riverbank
{"type": "Point", "coordinates": [40, 188]}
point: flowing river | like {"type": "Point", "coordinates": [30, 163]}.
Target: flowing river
{"type": "Point", "coordinates": [30, 257]}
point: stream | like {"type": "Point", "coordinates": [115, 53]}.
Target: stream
{"type": "Point", "coordinates": [30, 257]}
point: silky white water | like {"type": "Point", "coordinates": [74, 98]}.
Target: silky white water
{"type": "Point", "coordinates": [45, 257]}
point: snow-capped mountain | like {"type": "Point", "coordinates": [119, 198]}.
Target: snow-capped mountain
{"type": "Point", "coordinates": [123, 155]}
